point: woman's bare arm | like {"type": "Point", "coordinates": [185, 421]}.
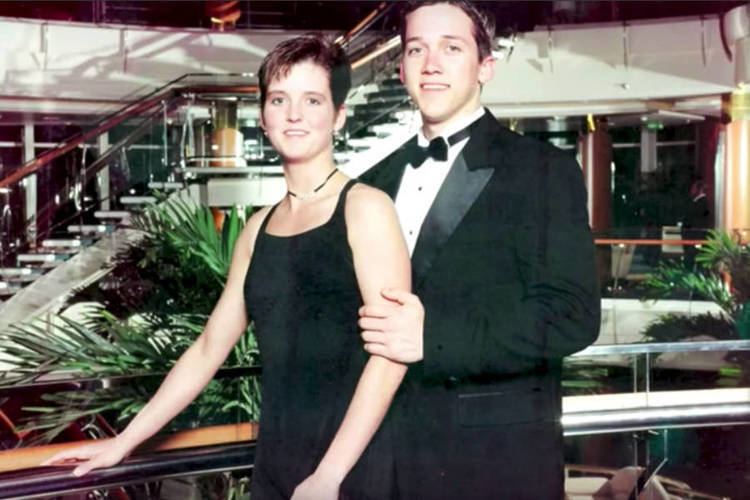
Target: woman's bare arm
{"type": "Point", "coordinates": [192, 372]}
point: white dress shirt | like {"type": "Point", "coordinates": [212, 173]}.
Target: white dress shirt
{"type": "Point", "coordinates": [419, 186]}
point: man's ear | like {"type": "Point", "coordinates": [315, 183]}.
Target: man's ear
{"type": "Point", "coordinates": [486, 69]}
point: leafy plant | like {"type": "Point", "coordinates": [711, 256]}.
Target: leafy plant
{"type": "Point", "coordinates": [722, 276]}
{"type": "Point", "coordinates": [671, 278]}
{"type": "Point", "coordinates": [673, 328]}
{"type": "Point", "coordinates": [155, 305]}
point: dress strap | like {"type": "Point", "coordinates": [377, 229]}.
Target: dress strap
{"type": "Point", "coordinates": [341, 203]}
{"type": "Point", "coordinates": [263, 224]}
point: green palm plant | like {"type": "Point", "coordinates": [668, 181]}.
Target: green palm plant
{"type": "Point", "coordinates": [147, 334]}
{"type": "Point", "coordinates": [722, 276]}
{"type": "Point", "coordinates": [191, 228]}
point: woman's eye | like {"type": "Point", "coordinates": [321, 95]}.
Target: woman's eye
{"type": "Point", "coordinates": [314, 101]}
{"type": "Point", "coordinates": [277, 100]}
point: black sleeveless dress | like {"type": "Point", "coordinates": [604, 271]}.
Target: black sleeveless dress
{"type": "Point", "coordinates": [301, 291]}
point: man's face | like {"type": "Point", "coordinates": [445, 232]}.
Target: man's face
{"type": "Point", "coordinates": [440, 66]}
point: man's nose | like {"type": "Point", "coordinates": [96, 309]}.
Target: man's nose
{"type": "Point", "coordinates": [432, 63]}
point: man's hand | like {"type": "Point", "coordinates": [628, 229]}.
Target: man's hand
{"type": "Point", "coordinates": [394, 331]}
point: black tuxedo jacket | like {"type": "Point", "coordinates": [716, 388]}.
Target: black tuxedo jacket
{"type": "Point", "coordinates": [504, 266]}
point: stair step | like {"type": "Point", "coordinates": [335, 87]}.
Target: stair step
{"type": "Point", "coordinates": [112, 214]}
{"type": "Point", "coordinates": [23, 278]}
{"type": "Point", "coordinates": [137, 200]}
{"type": "Point", "coordinates": [8, 289]}
{"type": "Point", "coordinates": [166, 186]}
{"type": "Point", "coordinates": [388, 92]}
{"type": "Point", "coordinates": [362, 142]}
{"type": "Point", "coordinates": [62, 244]}
{"type": "Point", "coordinates": [383, 129]}
{"type": "Point", "coordinates": [44, 260]}
{"type": "Point", "coordinates": [341, 157]}
{"type": "Point", "coordinates": [88, 229]}
{"type": "Point", "coordinates": [11, 272]}
{"type": "Point", "coordinates": [390, 96]}
{"type": "Point", "coordinates": [388, 83]}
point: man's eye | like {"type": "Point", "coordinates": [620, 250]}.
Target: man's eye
{"type": "Point", "coordinates": [277, 100]}
{"type": "Point", "coordinates": [413, 51]}
{"type": "Point", "coordinates": [454, 48]}
{"type": "Point", "coordinates": [313, 100]}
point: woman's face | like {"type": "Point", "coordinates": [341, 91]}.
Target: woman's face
{"type": "Point", "coordinates": [299, 116]}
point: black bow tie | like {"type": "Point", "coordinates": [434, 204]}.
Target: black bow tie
{"type": "Point", "coordinates": [437, 149]}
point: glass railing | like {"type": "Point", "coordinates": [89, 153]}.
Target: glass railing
{"type": "Point", "coordinates": [626, 261]}
{"type": "Point", "coordinates": [674, 411]}
{"type": "Point", "coordinates": [668, 415]}
{"type": "Point", "coordinates": [669, 288]}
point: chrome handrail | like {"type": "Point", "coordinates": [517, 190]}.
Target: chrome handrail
{"type": "Point", "coordinates": [42, 482]}
{"type": "Point", "coordinates": [381, 10]}
{"type": "Point", "coordinates": [662, 347]}
{"type": "Point", "coordinates": [647, 418]}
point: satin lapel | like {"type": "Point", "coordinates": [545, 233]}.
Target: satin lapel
{"type": "Point", "coordinates": [457, 194]}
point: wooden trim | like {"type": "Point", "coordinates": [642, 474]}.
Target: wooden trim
{"type": "Point", "coordinates": [25, 458]}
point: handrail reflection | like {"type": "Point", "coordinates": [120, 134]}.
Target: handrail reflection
{"type": "Point", "coordinates": [94, 383]}
{"type": "Point", "coordinates": [647, 242]}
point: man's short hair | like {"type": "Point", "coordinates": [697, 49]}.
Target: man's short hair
{"type": "Point", "coordinates": [482, 23]}
{"type": "Point", "coordinates": [313, 47]}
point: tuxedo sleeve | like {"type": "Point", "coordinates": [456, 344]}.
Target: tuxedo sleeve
{"type": "Point", "coordinates": [552, 307]}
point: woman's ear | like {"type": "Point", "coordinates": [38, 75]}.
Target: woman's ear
{"type": "Point", "coordinates": [340, 120]}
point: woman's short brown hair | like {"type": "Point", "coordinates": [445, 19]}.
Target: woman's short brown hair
{"type": "Point", "coordinates": [483, 24]}
{"type": "Point", "coordinates": [313, 47]}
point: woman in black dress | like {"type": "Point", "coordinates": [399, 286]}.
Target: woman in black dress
{"type": "Point", "coordinates": [301, 270]}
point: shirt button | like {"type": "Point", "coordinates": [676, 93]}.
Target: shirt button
{"type": "Point", "coordinates": [411, 232]}
{"type": "Point", "coordinates": [419, 188]}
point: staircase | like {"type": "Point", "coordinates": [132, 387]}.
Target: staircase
{"type": "Point", "coordinates": [380, 120]}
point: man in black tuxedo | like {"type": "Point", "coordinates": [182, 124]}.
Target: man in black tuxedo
{"type": "Point", "coordinates": [504, 278]}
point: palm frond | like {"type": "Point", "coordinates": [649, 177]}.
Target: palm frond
{"type": "Point", "coordinates": [670, 278]}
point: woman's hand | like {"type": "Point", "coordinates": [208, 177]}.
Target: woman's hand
{"type": "Point", "coordinates": [317, 486]}
{"type": "Point", "coordinates": [102, 453]}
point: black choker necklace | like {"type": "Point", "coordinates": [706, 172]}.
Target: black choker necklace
{"type": "Point", "coordinates": [304, 196]}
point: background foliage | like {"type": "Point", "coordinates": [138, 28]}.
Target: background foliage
{"type": "Point", "coordinates": [153, 305]}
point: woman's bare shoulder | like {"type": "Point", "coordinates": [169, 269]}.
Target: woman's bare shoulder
{"type": "Point", "coordinates": [367, 201]}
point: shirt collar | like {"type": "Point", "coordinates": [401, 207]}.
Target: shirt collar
{"type": "Point", "coordinates": [453, 127]}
